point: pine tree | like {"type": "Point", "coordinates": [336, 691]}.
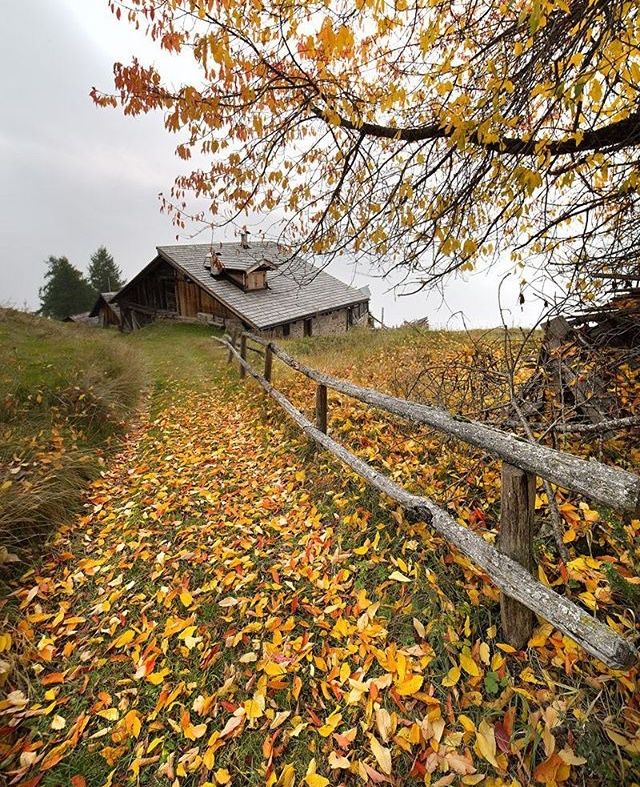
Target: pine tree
{"type": "Point", "coordinates": [65, 291]}
{"type": "Point", "coordinates": [104, 274]}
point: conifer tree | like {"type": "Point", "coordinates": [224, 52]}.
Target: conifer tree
{"type": "Point", "coordinates": [104, 274]}
{"type": "Point", "coordinates": [65, 291]}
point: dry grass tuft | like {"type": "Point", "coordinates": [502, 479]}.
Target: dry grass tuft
{"type": "Point", "coordinates": [66, 393]}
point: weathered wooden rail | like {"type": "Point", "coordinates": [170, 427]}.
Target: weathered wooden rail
{"type": "Point", "coordinates": [510, 566]}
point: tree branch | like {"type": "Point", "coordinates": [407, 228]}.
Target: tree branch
{"type": "Point", "coordinates": [624, 133]}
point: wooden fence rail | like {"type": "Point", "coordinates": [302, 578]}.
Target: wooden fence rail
{"type": "Point", "coordinates": [612, 486]}
{"type": "Point", "coordinates": [510, 572]}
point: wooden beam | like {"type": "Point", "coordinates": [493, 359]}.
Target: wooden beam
{"type": "Point", "coordinates": [516, 541]}
{"type": "Point", "coordinates": [255, 350]}
{"type": "Point", "coordinates": [595, 637]}
{"type": "Point", "coordinates": [611, 486]}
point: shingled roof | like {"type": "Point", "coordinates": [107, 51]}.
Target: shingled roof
{"type": "Point", "coordinates": [236, 257]}
{"type": "Point", "coordinates": [106, 297]}
{"type": "Point", "coordinates": [296, 289]}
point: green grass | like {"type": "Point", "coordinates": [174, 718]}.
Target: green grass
{"type": "Point", "coordinates": [66, 393]}
{"type": "Point", "coordinates": [178, 353]}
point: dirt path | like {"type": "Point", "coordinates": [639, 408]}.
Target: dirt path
{"type": "Point", "coordinates": [194, 618]}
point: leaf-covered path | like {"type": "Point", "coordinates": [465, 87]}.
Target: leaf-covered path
{"type": "Point", "coordinates": [232, 610]}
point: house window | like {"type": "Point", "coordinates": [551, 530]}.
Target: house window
{"type": "Point", "coordinates": [286, 329]}
{"type": "Point", "coordinates": [307, 328]}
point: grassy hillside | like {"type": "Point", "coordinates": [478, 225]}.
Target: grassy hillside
{"type": "Point", "coordinates": [65, 394]}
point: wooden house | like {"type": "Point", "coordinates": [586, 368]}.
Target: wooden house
{"type": "Point", "coordinates": [255, 286]}
{"type": "Point", "coordinates": [82, 318]}
{"type": "Point", "coordinates": [105, 310]}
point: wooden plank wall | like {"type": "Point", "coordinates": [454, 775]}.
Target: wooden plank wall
{"type": "Point", "coordinates": [164, 289]}
{"type": "Point", "coordinates": [192, 299]}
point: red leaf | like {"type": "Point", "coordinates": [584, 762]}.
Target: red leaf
{"type": "Point", "coordinates": [502, 737]}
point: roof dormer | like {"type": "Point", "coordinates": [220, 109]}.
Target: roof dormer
{"type": "Point", "coordinates": [239, 266]}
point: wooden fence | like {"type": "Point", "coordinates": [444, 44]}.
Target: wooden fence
{"type": "Point", "coordinates": [511, 565]}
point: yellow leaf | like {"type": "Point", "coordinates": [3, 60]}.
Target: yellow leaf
{"type": "Point", "coordinates": [484, 653]}
{"type": "Point", "coordinates": [486, 743]}
{"type": "Point", "coordinates": [186, 598]}
{"type": "Point", "coordinates": [384, 723]}
{"type": "Point", "coordinates": [409, 685]}
{"type": "Point", "coordinates": [399, 577]}
{"type": "Point", "coordinates": [124, 639]}
{"type": "Point", "coordinates": [288, 776]}
{"type": "Point", "coordinates": [453, 676]}
{"type": "Point", "coordinates": [314, 779]}
{"type": "Point", "coordinates": [274, 669]}
{"type": "Point", "coordinates": [468, 664]}
{"type": "Point", "coordinates": [222, 776]}
{"type": "Point", "coordinates": [132, 723]}
{"type": "Point", "coordinates": [330, 724]}
{"type": "Point", "coordinates": [568, 756]}
{"type": "Point", "coordinates": [58, 723]}
{"type": "Point", "coordinates": [154, 745]}
{"type": "Point", "coordinates": [382, 755]}
{"type": "Point", "coordinates": [254, 707]}
{"type": "Point", "coordinates": [110, 714]}
{"type": "Point", "coordinates": [156, 678]}
{"type": "Point", "coordinates": [466, 722]}
{"type": "Point", "coordinates": [335, 761]}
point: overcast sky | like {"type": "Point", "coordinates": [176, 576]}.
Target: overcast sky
{"type": "Point", "coordinates": [75, 176]}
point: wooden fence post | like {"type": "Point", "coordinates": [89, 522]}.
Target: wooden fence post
{"type": "Point", "coordinates": [268, 360]}
{"type": "Point", "coordinates": [516, 540]}
{"type": "Point", "coordinates": [243, 353]}
{"type": "Point", "coordinates": [321, 407]}
{"type": "Point", "coordinates": [233, 344]}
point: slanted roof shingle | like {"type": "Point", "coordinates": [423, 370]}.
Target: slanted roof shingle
{"type": "Point", "coordinates": [297, 289]}
{"type": "Point", "coordinates": [107, 297]}
{"type": "Point", "coordinates": [236, 257]}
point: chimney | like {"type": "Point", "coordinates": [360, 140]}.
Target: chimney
{"type": "Point", "coordinates": [217, 266]}
{"type": "Point", "coordinates": [244, 237]}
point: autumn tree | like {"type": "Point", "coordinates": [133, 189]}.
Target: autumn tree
{"type": "Point", "coordinates": [104, 274]}
{"type": "Point", "coordinates": [65, 291]}
{"type": "Point", "coordinates": [431, 134]}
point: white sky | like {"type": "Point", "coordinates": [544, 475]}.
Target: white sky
{"type": "Point", "coordinates": [74, 176]}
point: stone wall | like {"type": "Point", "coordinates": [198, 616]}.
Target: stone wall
{"type": "Point", "coordinates": [336, 321]}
